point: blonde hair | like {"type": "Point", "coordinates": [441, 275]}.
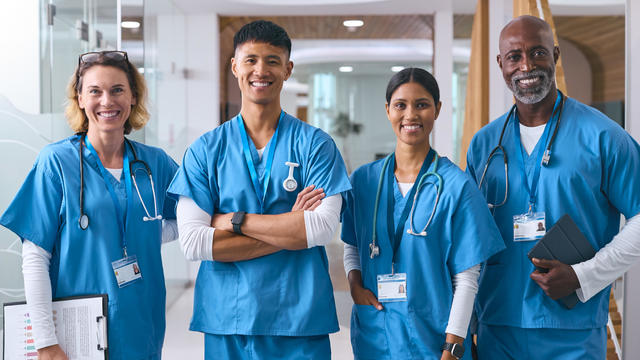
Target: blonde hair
{"type": "Point", "coordinates": [76, 116]}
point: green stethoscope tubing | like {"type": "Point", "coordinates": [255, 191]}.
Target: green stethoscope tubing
{"type": "Point", "coordinates": [374, 250]}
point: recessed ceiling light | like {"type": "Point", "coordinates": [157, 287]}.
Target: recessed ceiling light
{"type": "Point", "coordinates": [345, 68]}
{"type": "Point", "coordinates": [353, 23]}
{"type": "Point", "coordinates": [130, 24]}
{"type": "Point", "coordinates": [397, 68]}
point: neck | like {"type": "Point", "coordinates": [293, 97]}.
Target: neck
{"type": "Point", "coordinates": [409, 160]}
{"type": "Point", "coordinates": [538, 113]}
{"type": "Point", "coordinates": [261, 121]}
{"type": "Point", "coordinates": [109, 146]}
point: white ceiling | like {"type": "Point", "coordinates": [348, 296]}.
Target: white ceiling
{"type": "Point", "coordinates": [375, 7]}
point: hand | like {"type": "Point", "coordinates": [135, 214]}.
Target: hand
{"type": "Point", "coordinates": [53, 352]}
{"type": "Point", "coordinates": [308, 199]}
{"type": "Point", "coordinates": [558, 282]}
{"type": "Point", "coordinates": [362, 296]}
{"type": "Point", "coordinates": [222, 222]}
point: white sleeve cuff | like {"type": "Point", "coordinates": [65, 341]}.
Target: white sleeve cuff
{"type": "Point", "coordinates": [610, 262]}
{"type": "Point", "coordinates": [195, 231]}
{"type": "Point", "coordinates": [351, 259]}
{"type": "Point", "coordinates": [465, 287]}
{"type": "Point", "coordinates": [169, 230]}
{"type": "Point", "coordinates": [321, 224]}
{"type": "Point", "coordinates": [37, 291]}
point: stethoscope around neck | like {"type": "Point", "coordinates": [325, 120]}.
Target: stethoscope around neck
{"type": "Point", "coordinates": [83, 221]}
{"type": "Point", "coordinates": [546, 157]}
{"type": "Point", "coordinates": [374, 249]}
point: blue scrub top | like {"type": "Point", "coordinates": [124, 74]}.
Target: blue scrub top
{"type": "Point", "coordinates": [287, 293]}
{"type": "Point", "coordinates": [592, 176]}
{"type": "Point", "coordinates": [461, 235]}
{"type": "Point", "coordinates": [46, 212]}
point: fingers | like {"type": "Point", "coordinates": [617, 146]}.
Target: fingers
{"type": "Point", "coordinates": [315, 205]}
{"type": "Point", "coordinates": [372, 300]}
{"type": "Point", "coordinates": [307, 198]}
{"type": "Point", "coordinates": [544, 263]}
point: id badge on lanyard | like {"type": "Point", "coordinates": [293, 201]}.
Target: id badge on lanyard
{"type": "Point", "coordinates": [126, 270]}
{"type": "Point", "coordinates": [529, 227]}
{"type": "Point", "coordinates": [392, 287]}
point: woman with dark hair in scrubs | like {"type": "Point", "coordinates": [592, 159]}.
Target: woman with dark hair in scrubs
{"type": "Point", "coordinates": [416, 229]}
{"type": "Point", "coordinates": [92, 213]}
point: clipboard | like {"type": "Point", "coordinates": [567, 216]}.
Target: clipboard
{"type": "Point", "coordinates": [81, 328]}
{"type": "Point", "coordinates": [566, 243]}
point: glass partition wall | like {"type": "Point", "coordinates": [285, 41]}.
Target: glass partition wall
{"type": "Point", "coordinates": [67, 29]}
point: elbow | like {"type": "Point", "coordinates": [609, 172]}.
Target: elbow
{"type": "Point", "coordinates": [188, 245]}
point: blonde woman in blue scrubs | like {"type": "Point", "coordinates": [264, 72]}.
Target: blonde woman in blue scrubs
{"type": "Point", "coordinates": [415, 284]}
{"type": "Point", "coordinates": [87, 218]}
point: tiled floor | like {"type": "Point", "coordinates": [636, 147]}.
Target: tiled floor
{"type": "Point", "coordinates": [180, 343]}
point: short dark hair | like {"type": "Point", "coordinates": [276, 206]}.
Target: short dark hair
{"type": "Point", "coordinates": [263, 31]}
{"type": "Point", "coordinates": [418, 76]}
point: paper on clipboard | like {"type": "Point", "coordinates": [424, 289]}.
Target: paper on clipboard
{"type": "Point", "coordinates": [81, 329]}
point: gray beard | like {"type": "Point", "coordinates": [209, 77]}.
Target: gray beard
{"type": "Point", "coordinates": [533, 95]}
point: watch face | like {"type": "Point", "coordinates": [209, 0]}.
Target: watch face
{"type": "Point", "coordinates": [457, 351]}
{"type": "Point", "coordinates": [290, 184]}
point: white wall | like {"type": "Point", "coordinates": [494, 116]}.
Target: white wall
{"type": "Point", "coordinates": [631, 308]}
{"type": "Point", "coordinates": [20, 70]}
{"type": "Point", "coordinates": [203, 64]}
{"type": "Point", "coordinates": [577, 71]}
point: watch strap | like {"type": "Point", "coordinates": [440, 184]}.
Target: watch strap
{"type": "Point", "coordinates": [236, 220]}
{"type": "Point", "coordinates": [457, 350]}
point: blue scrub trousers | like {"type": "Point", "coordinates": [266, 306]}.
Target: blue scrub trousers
{"type": "Point", "coordinates": [507, 342]}
{"type": "Point", "coordinates": [254, 347]}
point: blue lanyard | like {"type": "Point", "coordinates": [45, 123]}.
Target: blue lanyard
{"type": "Point", "coordinates": [260, 189]}
{"type": "Point", "coordinates": [121, 215]}
{"type": "Point", "coordinates": [532, 190]}
{"type": "Point", "coordinates": [395, 236]}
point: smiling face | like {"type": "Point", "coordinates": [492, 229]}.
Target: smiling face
{"type": "Point", "coordinates": [412, 112]}
{"type": "Point", "coordinates": [528, 58]}
{"type": "Point", "coordinates": [106, 98]}
{"type": "Point", "coordinates": [261, 69]}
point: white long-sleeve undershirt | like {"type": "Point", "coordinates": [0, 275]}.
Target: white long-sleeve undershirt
{"type": "Point", "coordinates": [611, 261]}
{"type": "Point", "coordinates": [196, 233]}
{"type": "Point", "coordinates": [465, 285]}
{"type": "Point", "coordinates": [37, 286]}
{"type": "Point", "coordinates": [465, 288]}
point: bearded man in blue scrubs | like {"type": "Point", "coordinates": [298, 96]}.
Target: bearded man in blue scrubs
{"type": "Point", "coordinates": [591, 174]}
{"type": "Point", "coordinates": [259, 196]}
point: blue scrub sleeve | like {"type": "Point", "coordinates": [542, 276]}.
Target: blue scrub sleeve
{"type": "Point", "coordinates": [35, 212]}
{"type": "Point", "coordinates": [347, 216]}
{"type": "Point", "coordinates": [192, 179]}
{"type": "Point", "coordinates": [475, 236]}
{"type": "Point", "coordinates": [325, 168]}
{"type": "Point", "coordinates": [621, 171]}
{"type": "Point", "coordinates": [169, 210]}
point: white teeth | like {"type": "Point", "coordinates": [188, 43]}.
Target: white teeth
{"type": "Point", "coordinates": [260, 84]}
{"type": "Point", "coordinates": [108, 114]}
{"type": "Point", "coordinates": [529, 81]}
{"type": "Point", "coordinates": [412, 127]}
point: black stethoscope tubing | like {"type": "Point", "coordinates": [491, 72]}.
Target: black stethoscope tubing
{"type": "Point", "coordinates": [545, 158]}
{"type": "Point", "coordinates": [83, 221]}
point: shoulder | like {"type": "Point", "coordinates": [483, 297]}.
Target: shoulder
{"type": "Point", "coordinates": [490, 133]}
{"type": "Point", "coordinates": [59, 152]}
{"type": "Point", "coordinates": [304, 130]}
{"type": "Point", "coordinates": [367, 171]}
{"type": "Point", "coordinates": [152, 153]}
{"type": "Point", "coordinates": [457, 183]}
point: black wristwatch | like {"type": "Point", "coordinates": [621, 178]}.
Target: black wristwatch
{"type": "Point", "coordinates": [457, 350]}
{"type": "Point", "coordinates": [236, 221]}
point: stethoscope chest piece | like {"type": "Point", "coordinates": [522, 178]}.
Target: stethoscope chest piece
{"type": "Point", "coordinates": [374, 250]}
{"type": "Point", "coordinates": [290, 184]}
{"type": "Point", "coordinates": [83, 221]}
